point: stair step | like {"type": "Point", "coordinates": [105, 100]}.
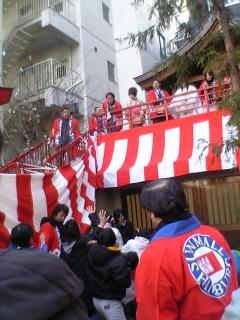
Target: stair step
{"type": "Point", "coordinates": [17, 37]}
{"type": "Point", "coordinates": [26, 34]}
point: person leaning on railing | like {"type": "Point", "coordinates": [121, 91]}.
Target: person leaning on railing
{"type": "Point", "coordinates": [113, 111]}
{"type": "Point", "coordinates": [135, 113]}
{"type": "Point", "coordinates": [157, 108]}
{"type": "Point", "coordinates": [97, 122]}
{"type": "Point", "coordinates": [185, 102]}
{"type": "Point", "coordinates": [209, 91]}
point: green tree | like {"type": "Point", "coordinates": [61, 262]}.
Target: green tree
{"type": "Point", "coordinates": [163, 11]}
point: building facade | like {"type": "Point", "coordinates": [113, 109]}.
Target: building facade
{"type": "Point", "coordinates": [131, 61]}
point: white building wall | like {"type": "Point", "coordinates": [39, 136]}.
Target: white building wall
{"type": "Point", "coordinates": [98, 47]}
{"type": "Point", "coordinates": [132, 62]}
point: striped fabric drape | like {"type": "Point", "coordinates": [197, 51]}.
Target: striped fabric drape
{"type": "Point", "coordinates": [29, 197]}
{"type": "Point", "coordinates": [171, 148]}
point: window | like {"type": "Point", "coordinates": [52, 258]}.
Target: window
{"type": "Point", "coordinates": [106, 13]}
{"type": "Point", "coordinates": [162, 45]}
{"type": "Point", "coordinates": [111, 71]}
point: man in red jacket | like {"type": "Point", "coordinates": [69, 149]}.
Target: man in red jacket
{"type": "Point", "coordinates": [157, 109]}
{"type": "Point", "coordinates": [65, 129]}
{"type": "Point", "coordinates": [187, 272]}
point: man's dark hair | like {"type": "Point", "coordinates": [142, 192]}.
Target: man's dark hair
{"type": "Point", "coordinates": [107, 237]}
{"type": "Point", "coordinates": [110, 94]}
{"type": "Point", "coordinates": [96, 109]}
{"type": "Point", "coordinates": [65, 108]}
{"type": "Point", "coordinates": [70, 231]}
{"type": "Point", "coordinates": [165, 198]}
{"type": "Point", "coordinates": [59, 208]}
{"type": "Point", "coordinates": [157, 81]}
{"type": "Point", "coordinates": [21, 235]}
{"type": "Point", "coordinates": [132, 259]}
{"type": "Point", "coordinates": [132, 91]}
{"type": "Point", "coordinates": [117, 213]}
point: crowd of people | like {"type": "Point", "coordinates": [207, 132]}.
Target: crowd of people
{"type": "Point", "coordinates": [186, 101]}
{"type": "Point", "coordinates": [181, 270]}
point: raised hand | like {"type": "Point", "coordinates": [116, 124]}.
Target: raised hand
{"type": "Point", "coordinates": [90, 209]}
{"type": "Point", "coordinates": [102, 218]}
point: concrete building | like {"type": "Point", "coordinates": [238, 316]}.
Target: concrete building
{"type": "Point", "coordinates": [131, 62]}
{"type": "Point", "coordinates": [59, 50]}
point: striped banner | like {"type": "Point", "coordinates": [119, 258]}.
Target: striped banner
{"type": "Point", "coordinates": [30, 197]}
{"type": "Point", "coordinates": [171, 148]}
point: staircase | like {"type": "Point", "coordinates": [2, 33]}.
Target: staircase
{"type": "Point", "coordinates": [45, 158]}
{"type": "Point", "coordinates": [13, 48]}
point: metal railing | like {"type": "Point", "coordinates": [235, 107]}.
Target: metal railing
{"type": "Point", "coordinates": [46, 158]}
{"type": "Point", "coordinates": [182, 105]}
{"type": "Point", "coordinates": [29, 9]}
{"type": "Point", "coordinates": [49, 73]}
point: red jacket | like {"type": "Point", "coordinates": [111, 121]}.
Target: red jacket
{"type": "Point", "coordinates": [187, 273]}
{"type": "Point", "coordinates": [116, 111]}
{"type": "Point", "coordinates": [117, 108]}
{"type": "Point", "coordinates": [210, 94]}
{"type": "Point", "coordinates": [56, 130]}
{"type": "Point", "coordinates": [92, 124]}
{"type": "Point", "coordinates": [96, 123]}
{"type": "Point", "coordinates": [151, 97]}
{"type": "Point", "coordinates": [49, 239]}
{"type": "Point", "coordinates": [4, 234]}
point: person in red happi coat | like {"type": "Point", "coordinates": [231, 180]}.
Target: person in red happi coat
{"type": "Point", "coordinates": [157, 109]}
{"type": "Point", "coordinates": [65, 129]}
{"type": "Point", "coordinates": [49, 234]}
{"type": "Point", "coordinates": [187, 271]}
{"type": "Point", "coordinates": [113, 112]}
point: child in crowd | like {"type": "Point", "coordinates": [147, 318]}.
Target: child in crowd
{"type": "Point", "coordinates": [21, 237]}
{"type": "Point", "coordinates": [108, 274]}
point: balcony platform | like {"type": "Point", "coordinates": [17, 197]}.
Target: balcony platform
{"type": "Point", "coordinates": [59, 26]}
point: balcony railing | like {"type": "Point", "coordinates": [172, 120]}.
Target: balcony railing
{"type": "Point", "coordinates": [182, 105]}
{"type": "Point", "coordinates": [29, 9]}
{"type": "Point", "coordinates": [44, 158]}
{"type": "Point", "coordinates": [49, 73]}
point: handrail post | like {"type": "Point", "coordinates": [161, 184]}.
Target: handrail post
{"type": "Point", "coordinates": [206, 99]}
{"type": "Point", "coordinates": [52, 72]}
{"type": "Point", "coordinates": [166, 108]}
